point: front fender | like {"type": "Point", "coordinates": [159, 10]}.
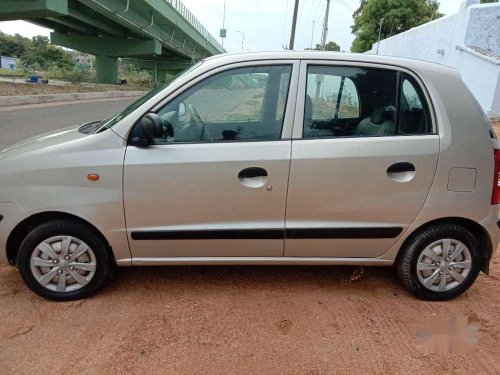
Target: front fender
{"type": "Point", "coordinates": [12, 214]}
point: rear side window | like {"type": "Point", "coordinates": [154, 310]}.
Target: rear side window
{"type": "Point", "coordinates": [348, 99]}
{"type": "Point", "coordinates": [414, 116]}
{"type": "Point", "coordinates": [350, 102]}
{"type": "Point", "coordinates": [332, 95]}
{"type": "Point", "coordinates": [363, 102]}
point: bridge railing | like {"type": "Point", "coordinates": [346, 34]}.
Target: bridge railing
{"type": "Point", "coordinates": [185, 12]}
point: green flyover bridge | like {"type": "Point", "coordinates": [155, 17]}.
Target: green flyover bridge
{"type": "Point", "coordinates": [160, 35]}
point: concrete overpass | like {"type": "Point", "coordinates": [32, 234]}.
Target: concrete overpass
{"type": "Point", "coordinates": [163, 34]}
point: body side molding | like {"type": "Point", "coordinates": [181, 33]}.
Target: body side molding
{"type": "Point", "coordinates": [291, 233]}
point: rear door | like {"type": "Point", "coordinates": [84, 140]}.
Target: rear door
{"type": "Point", "coordinates": [364, 155]}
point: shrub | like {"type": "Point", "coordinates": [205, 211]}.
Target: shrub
{"type": "Point", "coordinates": [75, 75]}
{"type": "Point", "coordinates": [134, 75]}
{"type": "Point", "coordinates": [12, 72]}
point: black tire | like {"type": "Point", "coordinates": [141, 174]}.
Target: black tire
{"type": "Point", "coordinates": [407, 260]}
{"type": "Point", "coordinates": [64, 228]}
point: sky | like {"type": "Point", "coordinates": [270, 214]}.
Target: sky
{"type": "Point", "coordinates": [265, 24]}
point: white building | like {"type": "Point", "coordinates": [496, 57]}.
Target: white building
{"type": "Point", "coordinates": [9, 63]}
{"type": "Point", "coordinates": [468, 41]}
{"type": "Point", "coordinates": [82, 59]}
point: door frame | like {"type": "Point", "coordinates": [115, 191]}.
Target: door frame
{"type": "Point", "coordinates": [230, 233]}
{"type": "Point", "coordinates": [308, 237]}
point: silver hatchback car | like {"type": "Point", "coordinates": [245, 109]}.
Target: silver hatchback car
{"type": "Point", "coordinates": [270, 158]}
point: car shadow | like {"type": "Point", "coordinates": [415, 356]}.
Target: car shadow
{"type": "Point", "coordinates": [246, 279]}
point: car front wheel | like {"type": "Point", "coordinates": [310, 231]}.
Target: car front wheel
{"type": "Point", "coordinates": [63, 260]}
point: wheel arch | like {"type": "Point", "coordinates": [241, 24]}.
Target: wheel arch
{"type": "Point", "coordinates": [22, 229]}
{"type": "Point", "coordinates": [479, 232]}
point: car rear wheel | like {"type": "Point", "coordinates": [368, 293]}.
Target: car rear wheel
{"type": "Point", "coordinates": [440, 263]}
{"type": "Point", "coordinates": [63, 260]}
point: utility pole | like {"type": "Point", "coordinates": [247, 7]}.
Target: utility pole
{"type": "Point", "coordinates": [223, 23]}
{"type": "Point", "coordinates": [312, 35]}
{"type": "Point", "coordinates": [379, 33]}
{"type": "Point", "coordinates": [294, 24]}
{"type": "Point", "coordinates": [325, 26]}
{"type": "Point", "coordinates": [242, 39]}
{"type": "Point", "coordinates": [320, 77]}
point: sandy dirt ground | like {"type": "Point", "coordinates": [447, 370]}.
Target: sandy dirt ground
{"type": "Point", "coordinates": [241, 320]}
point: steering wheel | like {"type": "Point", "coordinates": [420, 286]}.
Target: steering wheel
{"type": "Point", "coordinates": [195, 116]}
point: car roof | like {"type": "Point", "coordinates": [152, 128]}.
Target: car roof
{"type": "Point", "coordinates": [412, 64]}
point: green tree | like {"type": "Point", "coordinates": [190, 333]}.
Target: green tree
{"type": "Point", "coordinates": [488, 1]}
{"type": "Point", "coordinates": [396, 16]}
{"type": "Point", "coordinates": [43, 56]}
{"type": "Point", "coordinates": [330, 46]}
{"type": "Point", "coordinates": [357, 12]}
{"type": "Point", "coordinates": [13, 45]}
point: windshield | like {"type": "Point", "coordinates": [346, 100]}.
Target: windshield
{"type": "Point", "coordinates": [108, 123]}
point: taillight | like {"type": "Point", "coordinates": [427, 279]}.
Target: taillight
{"type": "Point", "coordinates": [495, 195]}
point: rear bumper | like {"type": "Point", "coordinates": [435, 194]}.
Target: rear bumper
{"type": "Point", "coordinates": [12, 214]}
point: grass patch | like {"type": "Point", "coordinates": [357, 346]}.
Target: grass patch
{"type": "Point", "coordinates": [11, 73]}
{"type": "Point", "coordinates": [17, 89]}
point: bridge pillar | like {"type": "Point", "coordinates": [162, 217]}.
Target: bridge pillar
{"type": "Point", "coordinates": [161, 76]}
{"type": "Point", "coordinates": [106, 68]}
{"type": "Point", "coordinates": [158, 75]}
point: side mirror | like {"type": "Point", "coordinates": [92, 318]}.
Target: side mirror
{"type": "Point", "coordinates": [152, 126]}
{"type": "Point", "coordinates": [182, 110]}
{"type": "Point", "coordinates": [149, 127]}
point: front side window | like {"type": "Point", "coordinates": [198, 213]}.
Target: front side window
{"type": "Point", "coordinates": [106, 124]}
{"type": "Point", "coordinates": [363, 102]}
{"type": "Point", "coordinates": [243, 104]}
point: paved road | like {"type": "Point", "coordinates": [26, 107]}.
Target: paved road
{"type": "Point", "coordinates": [27, 121]}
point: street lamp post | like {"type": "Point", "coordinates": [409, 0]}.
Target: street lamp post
{"type": "Point", "coordinates": [242, 39]}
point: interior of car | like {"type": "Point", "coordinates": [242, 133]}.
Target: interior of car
{"type": "Point", "coordinates": [248, 104]}
{"type": "Point", "coordinates": [241, 104]}
{"type": "Point", "coordinates": [376, 96]}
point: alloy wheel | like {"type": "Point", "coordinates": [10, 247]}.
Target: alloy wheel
{"type": "Point", "coordinates": [444, 265]}
{"type": "Point", "coordinates": [63, 264]}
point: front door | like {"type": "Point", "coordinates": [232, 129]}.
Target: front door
{"type": "Point", "coordinates": [364, 156]}
{"type": "Point", "coordinates": [217, 185]}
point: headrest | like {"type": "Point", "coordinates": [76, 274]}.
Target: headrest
{"type": "Point", "coordinates": [382, 114]}
{"type": "Point", "coordinates": [377, 116]}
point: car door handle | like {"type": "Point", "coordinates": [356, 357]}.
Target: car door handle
{"type": "Point", "coordinates": [252, 172]}
{"type": "Point", "coordinates": [401, 167]}
{"type": "Point", "coordinates": [401, 172]}
{"type": "Point", "coordinates": [253, 177]}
